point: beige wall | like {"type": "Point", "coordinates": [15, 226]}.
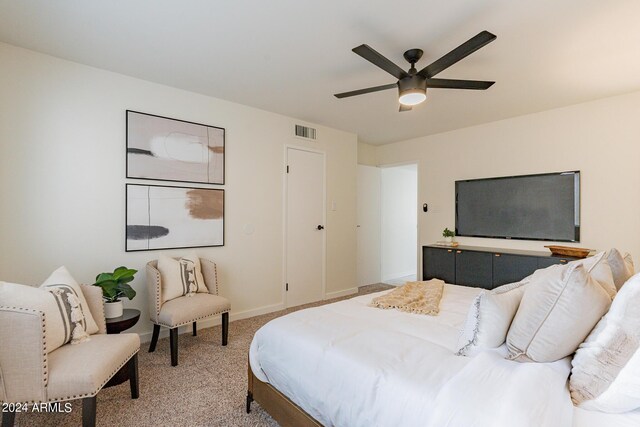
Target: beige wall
{"type": "Point", "coordinates": [600, 138]}
{"type": "Point", "coordinates": [62, 178]}
{"type": "Point", "coordinates": [367, 154]}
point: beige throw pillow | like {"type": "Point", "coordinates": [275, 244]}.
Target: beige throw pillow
{"type": "Point", "coordinates": [598, 267]}
{"type": "Point", "coordinates": [560, 306]}
{"type": "Point", "coordinates": [605, 366]}
{"type": "Point", "coordinates": [60, 323]}
{"type": "Point", "coordinates": [180, 277]}
{"type": "Point", "coordinates": [489, 318]}
{"type": "Point", "coordinates": [621, 266]}
{"type": "Point", "coordinates": [62, 277]}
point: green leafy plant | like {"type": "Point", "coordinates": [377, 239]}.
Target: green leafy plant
{"type": "Point", "coordinates": [448, 233]}
{"type": "Point", "coordinates": [116, 285]}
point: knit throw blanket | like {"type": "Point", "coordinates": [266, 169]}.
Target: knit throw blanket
{"type": "Point", "coordinates": [413, 297]}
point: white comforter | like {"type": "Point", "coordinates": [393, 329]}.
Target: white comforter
{"type": "Point", "coordinates": [347, 364]}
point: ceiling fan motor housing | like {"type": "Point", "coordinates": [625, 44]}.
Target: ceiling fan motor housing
{"type": "Point", "coordinates": [412, 85]}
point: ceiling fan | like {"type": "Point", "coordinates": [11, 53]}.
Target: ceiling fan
{"type": "Point", "coordinates": [412, 85]}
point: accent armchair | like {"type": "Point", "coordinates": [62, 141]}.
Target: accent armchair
{"type": "Point", "coordinates": [29, 374]}
{"type": "Point", "coordinates": [185, 309]}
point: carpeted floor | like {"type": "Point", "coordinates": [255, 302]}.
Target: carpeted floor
{"type": "Point", "coordinates": [207, 388]}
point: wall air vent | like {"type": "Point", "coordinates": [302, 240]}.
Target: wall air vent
{"type": "Point", "coordinates": [305, 132]}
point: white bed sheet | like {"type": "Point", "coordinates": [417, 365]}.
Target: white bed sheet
{"type": "Point", "coordinates": [347, 364]}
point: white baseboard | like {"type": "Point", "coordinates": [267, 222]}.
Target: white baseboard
{"type": "Point", "coordinates": [214, 321]}
{"type": "Point", "coordinates": [343, 293]}
{"type": "Point", "coordinates": [398, 276]}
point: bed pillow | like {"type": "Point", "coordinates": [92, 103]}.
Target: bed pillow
{"type": "Point", "coordinates": [489, 318]}
{"type": "Point", "coordinates": [598, 267]}
{"type": "Point", "coordinates": [559, 308]}
{"type": "Point", "coordinates": [180, 277]}
{"type": "Point", "coordinates": [621, 266]}
{"type": "Point", "coordinates": [62, 278]}
{"type": "Point", "coordinates": [61, 324]}
{"type": "Point", "coordinates": [603, 376]}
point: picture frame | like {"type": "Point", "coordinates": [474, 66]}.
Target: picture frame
{"type": "Point", "coordinates": [165, 149]}
{"type": "Point", "coordinates": [160, 217]}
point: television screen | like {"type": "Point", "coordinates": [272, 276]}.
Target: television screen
{"type": "Point", "coordinates": [531, 207]}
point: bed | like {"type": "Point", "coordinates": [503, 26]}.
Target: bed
{"type": "Point", "coordinates": [348, 364]}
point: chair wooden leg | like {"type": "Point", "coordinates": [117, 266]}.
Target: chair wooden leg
{"type": "Point", "coordinates": [133, 377]}
{"type": "Point", "coordinates": [89, 411]}
{"type": "Point", "coordinates": [225, 328]}
{"type": "Point", "coordinates": [8, 419]}
{"type": "Point", "coordinates": [173, 340]}
{"type": "Point", "coordinates": [154, 338]}
{"type": "Point", "coordinates": [195, 330]}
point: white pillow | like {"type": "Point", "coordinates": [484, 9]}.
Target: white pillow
{"type": "Point", "coordinates": [598, 267]}
{"type": "Point", "coordinates": [62, 277]}
{"type": "Point", "coordinates": [489, 319]}
{"type": "Point", "coordinates": [597, 380]}
{"type": "Point", "coordinates": [560, 306]}
{"type": "Point", "coordinates": [180, 277]}
{"type": "Point", "coordinates": [623, 394]}
{"type": "Point", "coordinates": [621, 266]}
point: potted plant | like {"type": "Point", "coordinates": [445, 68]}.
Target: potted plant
{"type": "Point", "coordinates": [115, 286]}
{"type": "Point", "coordinates": [448, 234]}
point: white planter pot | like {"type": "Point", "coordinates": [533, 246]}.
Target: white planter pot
{"type": "Point", "coordinates": [112, 309]}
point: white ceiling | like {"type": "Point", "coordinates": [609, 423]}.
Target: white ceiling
{"type": "Point", "coordinates": [290, 56]}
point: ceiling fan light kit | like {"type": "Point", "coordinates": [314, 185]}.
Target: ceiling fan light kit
{"type": "Point", "coordinates": [412, 90]}
{"type": "Point", "coordinates": [412, 85]}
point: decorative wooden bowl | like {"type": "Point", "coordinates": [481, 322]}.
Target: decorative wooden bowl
{"type": "Point", "coordinates": [569, 251]}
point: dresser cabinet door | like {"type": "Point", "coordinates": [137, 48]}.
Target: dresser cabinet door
{"type": "Point", "coordinates": [474, 269]}
{"type": "Point", "coordinates": [549, 261]}
{"type": "Point", "coordinates": [512, 268]}
{"type": "Point", "coordinates": [439, 263]}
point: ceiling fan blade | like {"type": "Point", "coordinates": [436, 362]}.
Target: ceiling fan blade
{"type": "Point", "coordinates": [458, 84]}
{"type": "Point", "coordinates": [461, 52]}
{"type": "Point", "coordinates": [367, 90]}
{"type": "Point", "coordinates": [404, 108]}
{"type": "Point", "coordinates": [380, 61]}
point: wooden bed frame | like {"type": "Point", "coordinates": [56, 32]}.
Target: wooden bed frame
{"type": "Point", "coordinates": [283, 410]}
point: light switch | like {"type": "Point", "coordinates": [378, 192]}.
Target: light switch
{"type": "Point", "coordinates": [333, 205]}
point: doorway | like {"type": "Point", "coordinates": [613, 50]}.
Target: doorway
{"type": "Point", "coordinates": [369, 225]}
{"type": "Point", "coordinates": [304, 226]}
{"type": "Point", "coordinates": [399, 223]}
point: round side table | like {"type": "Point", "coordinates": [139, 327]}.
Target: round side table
{"type": "Point", "coordinates": [129, 318]}
{"type": "Point", "coordinates": [115, 325]}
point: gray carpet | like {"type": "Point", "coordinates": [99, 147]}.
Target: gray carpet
{"type": "Point", "coordinates": [207, 388]}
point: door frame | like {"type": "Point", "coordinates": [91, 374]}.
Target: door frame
{"type": "Point", "coordinates": [418, 210]}
{"type": "Point", "coordinates": [285, 203]}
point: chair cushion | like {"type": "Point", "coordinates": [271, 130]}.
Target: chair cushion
{"type": "Point", "coordinates": [185, 310]}
{"type": "Point", "coordinates": [82, 370]}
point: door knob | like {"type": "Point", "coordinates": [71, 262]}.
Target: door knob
{"type": "Point", "coordinates": [320, 227]}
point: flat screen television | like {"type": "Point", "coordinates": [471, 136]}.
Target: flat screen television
{"type": "Point", "coordinates": [528, 207]}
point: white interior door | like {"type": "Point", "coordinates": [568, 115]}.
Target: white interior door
{"type": "Point", "coordinates": [369, 258]}
{"type": "Point", "coordinates": [399, 223]}
{"type": "Point", "coordinates": [305, 234]}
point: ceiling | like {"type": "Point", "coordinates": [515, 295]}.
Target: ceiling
{"type": "Point", "coordinates": [291, 56]}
